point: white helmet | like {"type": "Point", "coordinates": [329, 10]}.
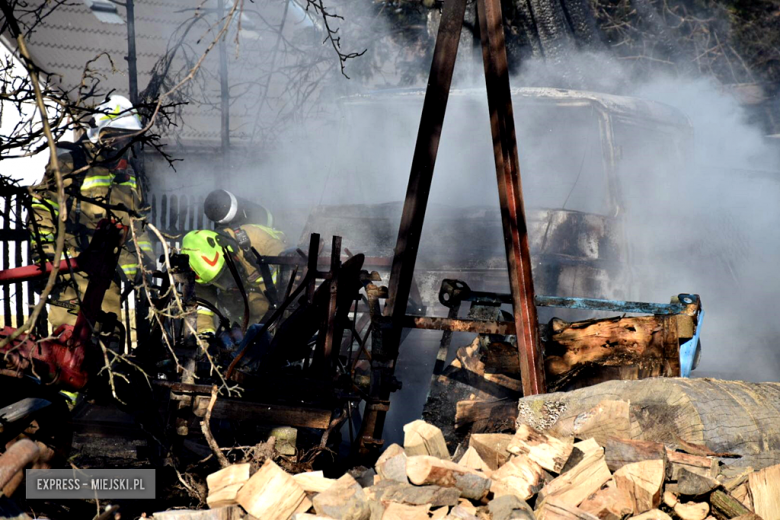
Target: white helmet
{"type": "Point", "coordinates": [117, 114]}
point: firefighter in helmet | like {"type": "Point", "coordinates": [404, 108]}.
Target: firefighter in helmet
{"type": "Point", "coordinates": [236, 235]}
{"type": "Point", "coordinates": [96, 174]}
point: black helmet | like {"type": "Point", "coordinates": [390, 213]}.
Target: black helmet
{"type": "Point", "coordinates": [224, 208]}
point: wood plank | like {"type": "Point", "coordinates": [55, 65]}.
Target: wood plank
{"type": "Point", "coordinates": [421, 438]}
{"type": "Point", "coordinates": [547, 451]}
{"type": "Point", "coordinates": [765, 490]}
{"type": "Point", "coordinates": [581, 481]}
{"type": "Point", "coordinates": [299, 417]}
{"type": "Point", "coordinates": [520, 477]}
{"type": "Point", "coordinates": [424, 469]}
{"type": "Point", "coordinates": [271, 493]}
{"type": "Point", "coordinates": [643, 481]}
{"type": "Point", "coordinates": [492, 448]}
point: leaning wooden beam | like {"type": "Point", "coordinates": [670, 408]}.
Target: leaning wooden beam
{"type": "Point", "coordinates": [299, 417]}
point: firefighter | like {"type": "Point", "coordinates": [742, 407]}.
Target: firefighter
{"type": "Point", "coordinates": [214, 281]}
{"type": "Point", "coordinates": [95, 173]}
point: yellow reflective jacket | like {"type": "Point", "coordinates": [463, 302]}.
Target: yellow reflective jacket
{"type": "Point", "coordinates": [113, 184]}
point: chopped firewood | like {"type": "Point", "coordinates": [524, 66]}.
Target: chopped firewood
{"type": "Point", "coordinates": [440, 513]}
{"type": "Point", "coordinates": [509, 507]}
{"type": "Point", "coordinates": [492, 448]}
{"type": "Point", "coordinates": [670, 499]}
{"type": "Point", "coordinates": [271, 493]}
{"type": "Point", "coordinates": [653, 514]}
{"type": "Point", "coordinates": [234, 474]}
{"type": "Point", "coordinates": [461, 513]}
{"type": "Point", "coordinates": [764, 488]}
{"type": "Point", "coordinates": [609, 503]}
{"type": "Point", "coordinates": [421, 438]}
{"type": "Point", "coordinates": [742, 494]}
{"type": "Point", "coordinates": [391, 464]}
{"type": "Point", "coordinates": [692, 510]}
{"type": "Point", "coordinates": [405, 493]}
{"type": "Point", "coordinates": [467, 505]}
{"type": "Point", "coordinates": [475, 410]}
{"type": "Point", "coordinates": [620, 452]}
{"type": "Point", "coordinates": [344, 500]}
{"type": "Point", "coordinates": [559, 510]}
{"type": "Point", "coordinates": [363, 475]}
{"type": "Point", "coordinates": [471, 459]}
{"type": "Point", "coordinates": [643, 480]}
{"type": "Point", "coordinates": [305, 506]}
{"type": "Point", "coordinates": [748, 516]}
{"type": "Point", "coordinates": [706, 466]}
{"type": "Point", "coordinates": [424, 469]}
{"type": "Point", "coordinates": [587, 445]}
{"type": "Point", "coordinates": [732, 482]}
{"type": "Point", "coordinates": [727, 505]}
{"type": "Point", "coordinates": [313, 481]}
{"type": "Point", "coordinates": [577, 484]}
{"type": "Point", "coordinates": [520, 477]}
{"type": "Point", "coordinates": [692, 484]}
{"type": "Point", "coordinates": [547, 451]}
{"type": "Point", "coordinates": [394, 511]}
{"type": "Point", "coordinates": [222, 513]}
{"type": "Point", "coordinates": [309, 516]}
{"type": "Point", "coordinates": [607, 419]}
{"type": "Point", "coordinates": [226, 496]}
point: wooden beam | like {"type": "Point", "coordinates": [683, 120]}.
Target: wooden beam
{"type": "Point", "coordinates": [299, 417]}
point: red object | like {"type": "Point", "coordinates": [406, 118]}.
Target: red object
{"type": "Point", "coordinates": [67, 359]}
{"type": "Point", "coordinates": [212, 263]}
{"type": "Point", "coordinates": [33, 272]}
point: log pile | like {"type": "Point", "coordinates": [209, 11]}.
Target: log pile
{"type": "Point", "coordinates": [530, 475]}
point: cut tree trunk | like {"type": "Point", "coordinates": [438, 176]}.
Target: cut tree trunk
{"type": "Point", "coordinates": [725, 416]}
{"type": "Point", "coordinates": [424, 469]}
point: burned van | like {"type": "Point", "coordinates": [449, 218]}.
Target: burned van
{"type": "Point", "coordinates": [576, 149]}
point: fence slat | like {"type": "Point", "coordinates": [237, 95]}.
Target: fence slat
{"type": "Point", "coordinates": [18, 260]}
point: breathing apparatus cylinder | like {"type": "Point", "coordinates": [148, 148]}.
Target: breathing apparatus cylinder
{"type": "Point", "coordinates": [225, 209]}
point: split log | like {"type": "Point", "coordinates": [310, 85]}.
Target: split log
{"type": "Point", "coordinates": [460, 513]}
{"type": "Point", "coordinates": [609, 503]}
{"type": "Point", "coordinates": [547, 451]}
{"type": "Point", "coordinates": [520, 477]}
{"type": "Point", "coordinates": [742, 494]}
{"type": "Point", "coordinates": [226, 496]}
{"type": "Point", "coordinates": [587, 446]}
{"type": "Point", "coordinates": [636, 347]}
{"type": "Point", "coordinates": [655, 514]}
{"type": "Point", "coordinates": [764, 488]}
{"type": "Point", "coordinates": [643, 481]}
{"type": "Point", "coordinates": [558, 510]}
{"type": "Point", "coordinates": [395, 511]}
{"type": "Point", "coordinates": [726, 505]}
{"type": "Point", "coordinates": [234, 474]}
{"type": "Point", "coordinates": [577, 484]}
{"type": "Point", "coordinates": [620, 452]}
{"type": "Point", "coordinates": [471, 459]}
{"type": "Point", "coordinates": [670, 499]}
{"type": "Point", "coordinates": [693, 484]}
{"type": "Point", "coordinates": [471, 411]}
{"type": "Point", "coordinates": [344, 500]}
{"type": "Point", "coordinates": [391, 465]}
{"type": "Point", "coordinates": [692, 510]}
{"type": "Point", "coordinates": [725, 416]}
{"type": "Point", "coordinates": [388, 491]}
{"type": "Point", "coordinates": [222, 513]}
{"type": "Point", "coordinates": [424, 469]}
{"type": "Point", "coordinates": [492, 448]}
{"type": "Point", "coordinates": [421, 438]}
{"type": "Point", "coordinates": [271, 493]}
{"type": "Point", "coordinates": [678, 461]}
{"type": "Point", "coordinates": [509, 507]}
{"type": "Point", "coordinates": [440, 513]}
{"type": "Point", "coordinates": [607, 419]}
{"type": "Point", "coordinates": [313, 481]}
